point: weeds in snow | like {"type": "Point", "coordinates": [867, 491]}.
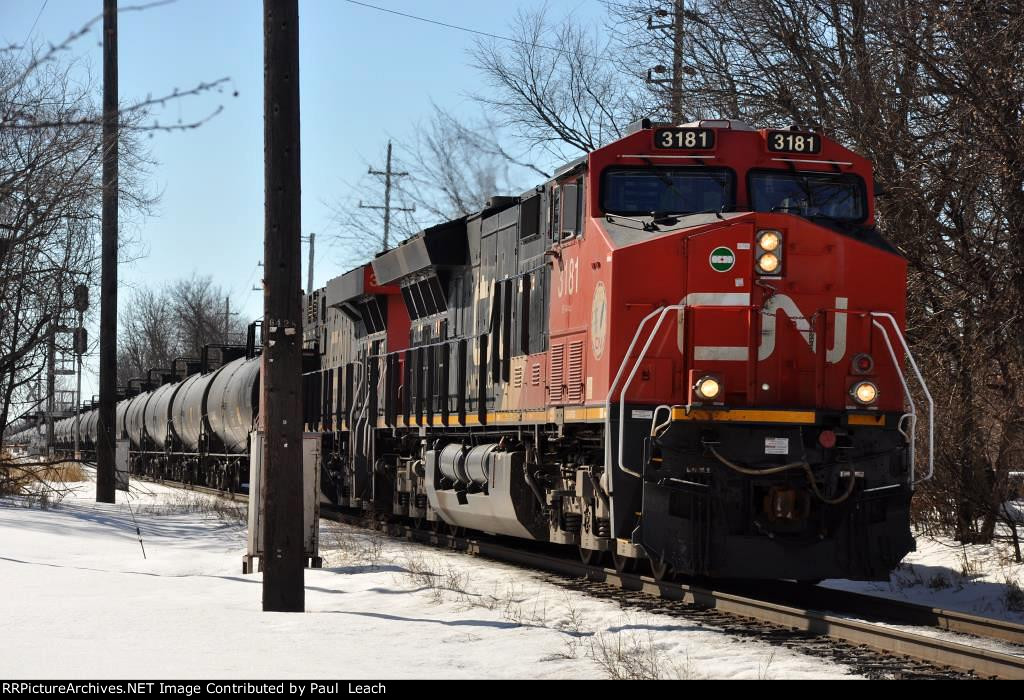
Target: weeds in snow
{"type": "Point", "coordinates": [341, 546]}
{"type": "Point", "coordinates": [636, 657]}
{"type": "Point", "coordinates": [1014, 595]}
{"type": "Point", "coordinates": [763, 669]}
{"type": "Point", "coordinates": [189, 502]}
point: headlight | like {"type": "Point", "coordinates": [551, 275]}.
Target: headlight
{"type": "Point", "coordinates": [864, 393]}
{"type": "Point", "coordinates": [708, 388]}
{"type": "Point", "coordinates": [768, 263]}
{"type": "Point", "coordinates": [768, 256]}
{"type": "Point", "coordinates": [769, 240]}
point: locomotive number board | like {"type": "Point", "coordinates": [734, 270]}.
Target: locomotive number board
{"type": "Point", "coordinates": [686, 138]}
{"type": "Point", "coordinates": [793, 142]}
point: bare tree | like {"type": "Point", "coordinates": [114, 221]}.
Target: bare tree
{"type": "Point", "coordinates": [158, 327]}
{"type": "Point", "coordinates": [49, 214]}
{"type": "Point", "coordinates": [456, 165]}
{"type": "Point", "coordinates": [556, 88]}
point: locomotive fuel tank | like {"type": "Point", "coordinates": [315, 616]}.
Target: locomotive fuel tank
{"type": "Point", "coordinates": [233, 401]}
{"type": "Point", "coordinates": [484, 488]}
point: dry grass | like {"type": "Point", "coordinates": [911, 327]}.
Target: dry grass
{"type": "Point", "coordinates": [39, 483]}
{"type": "Point", "coordinates": [636, 656]}
{"type": "Point", "coordinates": [188, 502]}
{"type": "Point", "coordinates": [19, 475]}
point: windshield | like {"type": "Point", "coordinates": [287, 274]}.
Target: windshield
{"type": "Point", "coordinates": [642, 191]}
{"type": "Point", "coordinates": [808, 194]}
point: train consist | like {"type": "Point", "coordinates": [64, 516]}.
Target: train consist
{"type": "Point", "coordinates": [685, 349]}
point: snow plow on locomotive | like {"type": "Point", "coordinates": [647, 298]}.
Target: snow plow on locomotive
{"type": "Point", "coordinates": [687, 347]}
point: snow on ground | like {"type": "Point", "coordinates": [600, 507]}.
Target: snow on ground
{"type": "Point", "coordinates": [80, 601]}
{"type": "Point", "coordinates": [978, 579]}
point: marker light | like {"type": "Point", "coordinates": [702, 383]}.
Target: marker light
{"type": "Point", "coordinates": [864, 393]}
{"type": "Point", "coordinates": [769, 240]}
{"type": "Point", "coordinates": [768, 263]}
{"type": "Point", "coordinates": [708, 388]}
{"type": "Point", "coordinates": [863, 363]}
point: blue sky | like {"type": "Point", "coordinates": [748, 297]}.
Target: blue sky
{"type": "Point", "coordinates": [365, 76]}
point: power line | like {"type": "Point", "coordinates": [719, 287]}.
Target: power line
{"type": "Point", "coordinates": [33, 27]}
{"type": "Point", "coordinates": [468, 30]}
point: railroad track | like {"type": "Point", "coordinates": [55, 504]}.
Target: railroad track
{"type": "Point", "coordinates": [793, 607]}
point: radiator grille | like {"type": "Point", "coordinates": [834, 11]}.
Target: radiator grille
{"type": "Point", "coordinates": [575, 379]}
{"type": "Point", "coordinates": [556, 373]}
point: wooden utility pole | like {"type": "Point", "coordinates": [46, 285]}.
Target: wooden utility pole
{"type": "Point", "coordinates": [283, 555]}
{"type": "Point", "coordinates": [676, 29]}
{"type": "Point", "coordinates": [389, 175]}
{"type": "Point", "coordinates": [309, 267]}
{"type": "Point", "coordinates": [105, 481]}
{"type": "Point", "coordinates": [677, 62]}
{"type": "Point", "coordinates": [228, 313]}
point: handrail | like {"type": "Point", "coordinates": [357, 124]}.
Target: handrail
{"type": "Point", "coordinates": [911, 435]}
{"type": "Point", "coordinates": [661, 313]}
{"type": "Point", "coordinates": [924, 388]}
{"type": "Point", "coordinates": [611, 392]}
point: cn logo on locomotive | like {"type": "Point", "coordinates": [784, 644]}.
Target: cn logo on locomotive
{"type": "Point", "coordinates": [769, 314]}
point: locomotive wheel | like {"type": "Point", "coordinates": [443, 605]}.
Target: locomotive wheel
{"type": "Point", "coordinates": [590, 557]}
{"type": "Point", "coordinates": [623, 564]}
{"type": "Point", "coordinates": [660, 570]}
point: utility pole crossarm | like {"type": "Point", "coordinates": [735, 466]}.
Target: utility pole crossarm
{"type": "Point", "coordinates": [389, 174]}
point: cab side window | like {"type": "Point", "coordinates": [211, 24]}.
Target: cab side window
{"type": "Point", "coordinates": [568, 207]}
